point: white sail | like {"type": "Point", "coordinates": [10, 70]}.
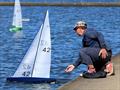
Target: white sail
{"type": "Point", "coordinates": [26, 66]}
{"type": "Point", "coordinates": [43, 58]}
{"type": "Point", "coordinates": [17, 17]}
{"type": "Point", "coordinates": [37, 60]}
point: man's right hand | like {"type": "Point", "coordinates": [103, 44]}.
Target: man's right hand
{"type": "Point", "coordinates": [103, 53]}
{"type": "Point", "coordinates": [69, 68]}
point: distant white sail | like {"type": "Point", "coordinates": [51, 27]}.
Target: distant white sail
{"type": "Point", "coordinates": [17, 17]}
{"type": "Point", "coordinates": [37, 60]}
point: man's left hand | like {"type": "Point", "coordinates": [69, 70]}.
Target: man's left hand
{"type": "Point", "coordinates": [103, 53]}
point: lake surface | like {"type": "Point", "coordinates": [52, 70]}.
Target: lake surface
{"type": "Point", "coordinates": [65, 43]}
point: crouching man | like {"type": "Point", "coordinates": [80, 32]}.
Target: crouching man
{"type": "Point", "coordinates": [95, 52]}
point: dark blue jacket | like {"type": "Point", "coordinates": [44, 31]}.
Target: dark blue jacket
{"type": "Point", "coordinates": [92, 38]}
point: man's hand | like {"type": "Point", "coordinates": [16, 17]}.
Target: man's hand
{"type": "Point", "coordinates": [91, 69]}
{"type": "Point", "coordinates": [69, 68]}
{"type": "Point", "coordinates": [103, 53]}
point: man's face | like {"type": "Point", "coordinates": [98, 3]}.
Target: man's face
{"type": "Point", "coordinates": [80, 31]}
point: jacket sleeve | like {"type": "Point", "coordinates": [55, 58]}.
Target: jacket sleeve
{"type": "Point", "coordinates": [101, 40]}
{"type": "Point", "coordinates": [77, 62]}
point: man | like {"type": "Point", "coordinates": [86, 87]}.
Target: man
{"type": "Point", "coordinates": [95, 53]}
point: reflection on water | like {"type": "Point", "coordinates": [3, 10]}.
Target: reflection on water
{"type": "Point", "coordinates": [18, 34]}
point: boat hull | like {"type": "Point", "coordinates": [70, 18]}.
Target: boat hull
{"type": "Point", "coordinates": [15, 29]}
{"type": "Point", "coordinates": [31, 79]}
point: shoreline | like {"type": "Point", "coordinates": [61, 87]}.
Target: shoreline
{"type": "Point", "coordinates": [65, 4]}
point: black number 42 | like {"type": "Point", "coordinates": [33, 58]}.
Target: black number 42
{"type": "Point", "coordinates": [46, 49]}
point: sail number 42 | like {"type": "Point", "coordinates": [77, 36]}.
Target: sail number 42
{"type": "Point", "coordinates": [46, 49]}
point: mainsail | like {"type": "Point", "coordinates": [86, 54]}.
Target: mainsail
{"type": "Point", "coordinates": [43, 56]}
{"type": "Point", "coordinates": [26, 66]}
{"type": "Point", "coordinates": [17, 17]}
{"type": "Point", "coordinates": [36, 63]}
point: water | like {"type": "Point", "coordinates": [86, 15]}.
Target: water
{"type": "Point", "coordinates": [65, 43]}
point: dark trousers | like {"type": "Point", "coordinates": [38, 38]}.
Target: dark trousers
{"type": "Point", "coordinates": [90, 56]}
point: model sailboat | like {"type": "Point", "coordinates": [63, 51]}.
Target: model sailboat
{"type": "Point", "coordinates": [17, 17]}
{"type": "Point", "coordinates": [35, 66]}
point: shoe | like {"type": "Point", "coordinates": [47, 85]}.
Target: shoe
{"type": "Point", "coordinates": [99, 74]}
{"type": "Point", "coordinates": [109, 69]}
